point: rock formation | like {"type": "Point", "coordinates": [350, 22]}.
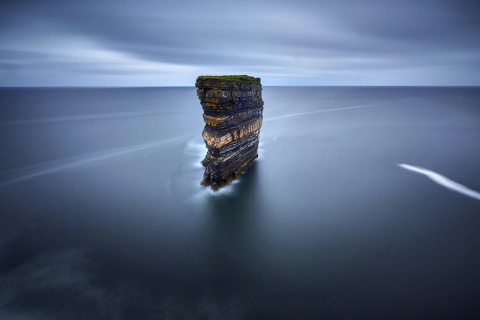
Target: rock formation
{"type": "Point", "coordinates": [233, 108]}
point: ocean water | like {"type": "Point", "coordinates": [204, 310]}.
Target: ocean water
{"type": "Point", "coordinates": [364, 203]}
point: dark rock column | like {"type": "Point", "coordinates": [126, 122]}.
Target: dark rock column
{"type": "Point", "coordinates": [232, 107]}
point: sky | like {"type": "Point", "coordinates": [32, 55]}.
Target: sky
{"type": "Point", "coordinates": [301, 42]}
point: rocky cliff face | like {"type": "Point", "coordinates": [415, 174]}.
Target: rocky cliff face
{"type": "Point", "coordinates": [232, 107]}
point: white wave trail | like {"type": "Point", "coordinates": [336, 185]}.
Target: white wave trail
{"type": "Point", "coordinates": [34, 171]}
{"type": "Point", "coordinates": [84, 117]}
{"type": "Point", "coordinates": [320, 111]}
{"type": "Point", "coordinates": [443, 181]}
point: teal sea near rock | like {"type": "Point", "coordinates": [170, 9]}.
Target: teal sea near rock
{"type": "Point", "coordinates": [361, 205]}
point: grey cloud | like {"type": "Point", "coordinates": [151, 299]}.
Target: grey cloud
{"type": "Point", "coordinates": [300, 38]}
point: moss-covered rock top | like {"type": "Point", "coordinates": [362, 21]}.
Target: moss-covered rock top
{"type": "Point", "coordinates": [234, 78]}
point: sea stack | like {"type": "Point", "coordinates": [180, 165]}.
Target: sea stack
{"type": "Point", "coordinates": [232, 111]}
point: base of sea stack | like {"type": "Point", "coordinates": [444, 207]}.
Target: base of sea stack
{"type": "Point", "coordinates": [216, 181]}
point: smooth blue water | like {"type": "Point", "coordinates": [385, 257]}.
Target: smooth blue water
{"type": "Point", "coordinates": [103, 216]}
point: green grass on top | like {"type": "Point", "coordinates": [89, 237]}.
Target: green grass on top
{"type": "Point", "coordinates": [243, 78]}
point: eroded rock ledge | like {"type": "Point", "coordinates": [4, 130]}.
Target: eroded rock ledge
{"type": "Point", "coordinates": [233, 108]}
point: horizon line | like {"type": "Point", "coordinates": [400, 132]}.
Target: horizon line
{"type": "Point", "coordinates": [193, 86]}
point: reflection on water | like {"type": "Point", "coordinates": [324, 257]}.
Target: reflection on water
{"type": "Point", "coordinates": [103, 215]}
{"type": "Point", "coordinates": [230, 226]}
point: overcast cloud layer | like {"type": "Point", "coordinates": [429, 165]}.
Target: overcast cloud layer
{"type": "Point", "coordinates": [302, 42]}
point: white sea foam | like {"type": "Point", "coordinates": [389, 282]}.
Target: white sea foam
{"type": "Point", "coordinates": [84, 117]}
{"type": "Point", "coordinates": [196, 148]}
{"type": "Point", "coordinates": [42, 169]}
{"type": "Point", "coordinates": [443, 181]}
{"type": "Point", "coordinates": [320, 111]}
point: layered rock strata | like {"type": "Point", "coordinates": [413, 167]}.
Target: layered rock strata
{"type": "Point", "coordinates": [233, 108]}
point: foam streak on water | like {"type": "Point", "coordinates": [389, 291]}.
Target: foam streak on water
{"type": "Point", "coordinates": [71, 163]}
{"type": "Point", "coordinates": [443, 181]}
{"type": "Point", "coordinates": [85, 117]}
{"type": "Point", "coordinates": [320, 111]}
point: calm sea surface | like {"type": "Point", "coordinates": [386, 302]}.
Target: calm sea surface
{"type": "Point", "coordinates": [363, 204]}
